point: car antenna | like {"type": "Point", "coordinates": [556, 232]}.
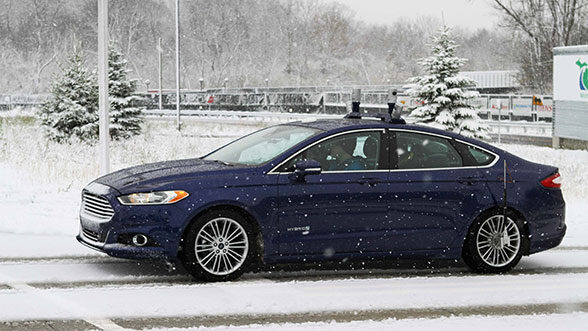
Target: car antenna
{"type": "Point", "coordinates": [504, 204]}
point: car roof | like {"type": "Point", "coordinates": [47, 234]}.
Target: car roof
{"type": "Point", "coordinates": [347, 123]}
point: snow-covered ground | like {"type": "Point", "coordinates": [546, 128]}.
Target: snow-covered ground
{"type": "Point", "coordinates": [41, 262]}
{"type": "Point", "coordinates": [104, 291]}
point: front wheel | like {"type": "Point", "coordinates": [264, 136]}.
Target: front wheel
{"type": "Point", "coordinates": [217, 246]}
{"type": "Point", "coordinates": [493, 245]}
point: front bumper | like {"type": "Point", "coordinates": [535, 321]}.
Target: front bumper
{"type": "Point", "coordinates": [124, 251]}
{"type": "Point", "coordinates": [163, 226]}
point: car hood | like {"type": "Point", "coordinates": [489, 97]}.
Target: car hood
{"type": "Point", "coordinates": [151, 175]}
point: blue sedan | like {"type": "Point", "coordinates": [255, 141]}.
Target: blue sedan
{"type": "Point", "coordinates": [329, 190]}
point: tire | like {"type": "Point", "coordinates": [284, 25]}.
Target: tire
{"type": "Point", "coordinates": [206, 254]}
{"type": "Point", "coordinates": [494, 246]}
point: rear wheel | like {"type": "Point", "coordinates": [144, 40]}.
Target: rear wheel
{"type": "Point", "coordinates": [493, 244]}
{"type": "Point", "coordinates": [218, 247]}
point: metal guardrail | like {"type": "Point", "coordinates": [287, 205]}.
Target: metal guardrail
{"type": "Point", "coordinates": [519, 128]}
{"type": "Point", "coordinates": [326, 99]}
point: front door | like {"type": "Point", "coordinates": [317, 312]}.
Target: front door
{"type": "Point", "coordinates": [342, 210]}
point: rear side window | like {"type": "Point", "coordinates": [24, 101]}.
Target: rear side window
{"type": "Point", "coordinates": [480, 157]}
{"type": "Point", "coordinates": [420, 151]}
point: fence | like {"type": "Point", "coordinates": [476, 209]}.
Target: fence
{"type": "Point", "coordinates": [533, 133]}
{"type": "Point", "coordinates": [11, 101]}
{"type": "Point", "coordinates": [336, 101]}
{"type": "Point", "coordinates": [315, 100]}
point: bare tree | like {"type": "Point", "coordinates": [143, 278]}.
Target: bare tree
{"type": "Point", "coordinates": [542, 25]}
{"type": "Point", "coordinates": [291, 42]}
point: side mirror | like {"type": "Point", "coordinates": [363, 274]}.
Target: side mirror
{"type": "Point", "coordinates": [304, 168]}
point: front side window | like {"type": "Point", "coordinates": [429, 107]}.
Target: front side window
{"type": "Point", "coordinates": [348, 152]}
{"type": "Point", "coordinates": [263, 145]}
{"type": "Point", "coordinates": [420, 151]}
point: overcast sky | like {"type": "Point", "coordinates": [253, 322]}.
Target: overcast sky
{"type": "Point", "coordinates": [464, 13]}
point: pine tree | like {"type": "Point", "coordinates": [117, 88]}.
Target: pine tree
{"type": "Point", "coordinates": [442, 91]}
{"type": "Point", "coordinates": [72, 109]}
{"type": "Point", "coordinates": [125, 120]}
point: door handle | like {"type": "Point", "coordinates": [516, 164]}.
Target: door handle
{"type": "Point", "coordinates": [469, 180]}
{"type": "Point", "coordinates": [368, 181]}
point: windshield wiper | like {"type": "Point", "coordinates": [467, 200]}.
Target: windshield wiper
{"type": "Point", "coordinates": [224, 162]}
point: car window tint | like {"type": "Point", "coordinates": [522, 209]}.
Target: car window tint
{"type": "Point", "coordinates": [481, 157]}
{"type": "Point", "coordinates": [420, 151]}
{"type": "Point", "coordinates": [349, 152]}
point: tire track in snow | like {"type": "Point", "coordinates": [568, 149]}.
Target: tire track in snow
{"type": "Point", "coordinates": [352, 316]}
{"type": "Point", "coordinates": [186, 280]}
{"type": "Point", "coordinates": [299, 318]}
{"type": "Point", "coordinates": [278, 302]}
{"type": "Point", "coordinates": [108, 259]}
{"type": "Point", "coordinates": [99, 271]}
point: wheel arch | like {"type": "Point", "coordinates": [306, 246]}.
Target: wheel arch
{"type": "Point", "coordinates": [513, 213]}
{"type": "Point", "coordinates": [250, 219]}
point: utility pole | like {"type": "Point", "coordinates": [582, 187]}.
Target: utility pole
{"type": "Point", "coordinates": [103, 102]}
{"type": "Point", "coordinates": [160, 50]}
{"type": "Point", "coordinates": [499, 120]}
{"type": "Point", "coordinates": [178, 62]}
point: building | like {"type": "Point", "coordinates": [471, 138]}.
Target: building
{"type": "Point", "coordinates": [570, 96]}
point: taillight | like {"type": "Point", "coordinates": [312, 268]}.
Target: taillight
{"type": "Point", "coordinates": [553, 181]}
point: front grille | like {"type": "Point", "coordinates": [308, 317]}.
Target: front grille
{"type": "Point", "coordinates": [97, 206]}
{"type": "Point", "coordinates": [90, 234]}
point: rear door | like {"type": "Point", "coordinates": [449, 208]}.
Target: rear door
{"type": "Point", "coordinates": [434, 191]}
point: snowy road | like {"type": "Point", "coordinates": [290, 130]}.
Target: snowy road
{"type": "Point", "coordinates": [108, 293]}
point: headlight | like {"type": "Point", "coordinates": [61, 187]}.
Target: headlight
{"type": "Point", "coordinates": [153, 198]}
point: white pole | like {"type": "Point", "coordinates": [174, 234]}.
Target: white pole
{"type": "Point", "coordinates": [103, 102]}
{"type": "Point", "coordinates": [499, 119]}
{"type": "Point", "coordinates": [178, 62]}
{"type": "Point", "coordinates": [159, 50]}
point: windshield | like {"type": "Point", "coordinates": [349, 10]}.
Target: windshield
{"type": "Point", "coordinates": [262, 146]}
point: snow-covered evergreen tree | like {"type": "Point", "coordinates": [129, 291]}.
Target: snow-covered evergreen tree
{"type": "Point", "coordinates": [443, 93]}
{"type": "Point", "coordinates": [125, 120]}
{"type": "Point", "coordinates": [71, 110]}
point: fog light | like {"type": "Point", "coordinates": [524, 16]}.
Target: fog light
{"type": "Point", "coordinates": [139, 240]}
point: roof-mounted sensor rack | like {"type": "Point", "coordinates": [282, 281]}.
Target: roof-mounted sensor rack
{"type": "Point", "coordinates": [394, 110]}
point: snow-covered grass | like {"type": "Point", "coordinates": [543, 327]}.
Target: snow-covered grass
{"type": "Point", "coordinates": [41, 181]}
{"type": "Point", "coordinates": [23, 145]}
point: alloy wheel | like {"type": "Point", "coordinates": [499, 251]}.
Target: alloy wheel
{"type": "Point", "coordinates": [498, 242]}
{"type": "Point", "coordinates": [221, 246]}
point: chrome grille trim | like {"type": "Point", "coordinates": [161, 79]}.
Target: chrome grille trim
{"type": "Point", "coordinates": [90, 234]}
{"type": "Point", "coordinates": [96, 206]}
